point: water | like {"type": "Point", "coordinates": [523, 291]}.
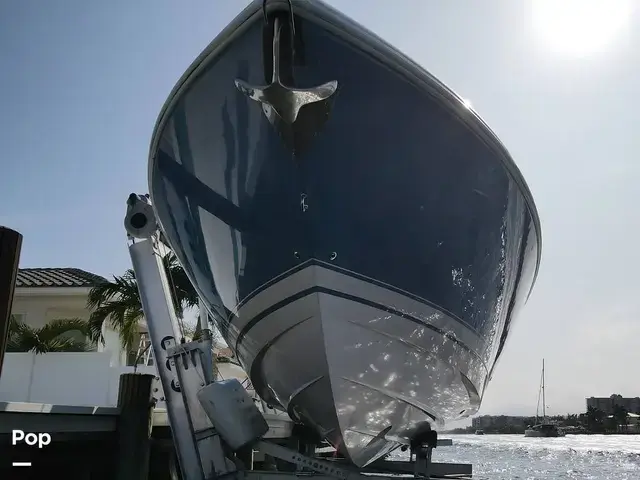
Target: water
{"type": "Point", "coordinates": [510, 457]}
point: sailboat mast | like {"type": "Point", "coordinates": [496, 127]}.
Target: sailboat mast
{"type": "Point", "coordinates": [544, 402]}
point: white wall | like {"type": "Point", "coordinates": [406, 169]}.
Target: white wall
{"type": "Point", "coordinates": [86, 379]}
{"type": "Point", "coordinates": [40, 309]}
{"type": "Point", "coordinates": [56, 303]}
{"type": "Point", "coordinates": [79, 379]}
{"type": "Point", "coordinates": [89, 378]}
{"type": "Point", "coordinates": [111, 346]}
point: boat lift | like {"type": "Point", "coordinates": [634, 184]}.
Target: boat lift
{"type": "Point", "coordinates": [216, 426]}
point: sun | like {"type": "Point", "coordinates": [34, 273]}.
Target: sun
{"type": "Point", "coordinates": [579, 27]}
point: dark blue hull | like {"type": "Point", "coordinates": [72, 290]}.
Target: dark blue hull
{"type": "Point", "coordinates": [402, 186]}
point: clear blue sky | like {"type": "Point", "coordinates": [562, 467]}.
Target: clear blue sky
{"type": "Point", "coordinates": [82, 82]}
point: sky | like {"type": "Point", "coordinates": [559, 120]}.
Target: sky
{"type": "Point", "coordinates": [81, 85]}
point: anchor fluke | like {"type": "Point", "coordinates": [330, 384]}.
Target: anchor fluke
{"type": "Point", "coordinates": [286, 102]}
{"type": "Point", "coordinates": [283, 105]}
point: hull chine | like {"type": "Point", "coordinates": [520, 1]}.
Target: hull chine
{"type": "Point", "coordinates": [368, 376]}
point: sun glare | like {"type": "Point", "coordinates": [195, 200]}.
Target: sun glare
{"type": "Point", "coordinates": [579, 27]}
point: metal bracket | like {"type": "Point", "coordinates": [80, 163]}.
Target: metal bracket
{"type": "Point", "coordinates": [308, 463]}
{"type": "Point", "coordinates": [186, 361]}
{"type": "Point", "coordinates": [422, 445]}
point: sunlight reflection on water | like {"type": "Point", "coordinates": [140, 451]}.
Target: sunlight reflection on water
{"type": "Point", "coordinates": [509, 457]}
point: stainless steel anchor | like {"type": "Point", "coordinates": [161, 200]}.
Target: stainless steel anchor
{"type": "Point", "coordinates": [282, 104]}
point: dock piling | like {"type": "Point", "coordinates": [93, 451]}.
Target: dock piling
{"type": "Point", "coordinates": [135, 401]}
{"type": "Point", "coordinates": [10, 244]}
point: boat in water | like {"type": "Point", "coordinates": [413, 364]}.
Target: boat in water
{"type": "Point", "coordinates": [479, 432]}
{"type": "Point", "coordinates": [544, 428]}
{"type": "Point", "coordinates": [360, 236]}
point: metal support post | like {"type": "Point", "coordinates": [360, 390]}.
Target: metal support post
{"type": "Point", "coordinates": [163, 328]}
{"type": "Point", "coordinates": [183, 368]}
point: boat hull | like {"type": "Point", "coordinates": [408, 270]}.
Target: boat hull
{"type": "Point", "coordinates": [351, 365]}
{"type": "Point", "coordinates": [544, 431]}
{"type": "Point", "coordinates": [367, 281]}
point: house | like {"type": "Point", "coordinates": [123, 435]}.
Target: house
{"type": "Point", "coordinates": [82, 378]}
{"type": "Point", "coordinates": [45, 294]}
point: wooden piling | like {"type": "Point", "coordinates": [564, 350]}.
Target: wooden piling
{"type": "Point", "coordinates": [135, 400]}
{"type": "Point", "coordinates": [10, 244]}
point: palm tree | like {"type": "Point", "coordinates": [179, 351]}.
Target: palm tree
{"type": "Point", "coordinates": [572, 420]}
{"type": "Point", "coordinates": [50, 338]}
{"type": "Point", "coordinates": [620, 415]}
{"type": "Point", "coordinates": [118, 302]}
{"type": "Point", "coordinates": [595, 417]}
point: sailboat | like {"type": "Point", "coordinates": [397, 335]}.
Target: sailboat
{"type": "Point", "coordinates": [544, 428]}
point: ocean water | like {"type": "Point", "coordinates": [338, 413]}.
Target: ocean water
{"type": "Point", "coordinates": [510, 457]}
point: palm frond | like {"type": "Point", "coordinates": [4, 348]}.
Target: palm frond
{"type": "Point", "coordinates": [66, 344]}
{"type": "Point", "coordinates": [96, 321]}
{"type": "Point", "coordinates": [22, 338]}
{"type": "Point", "coordinates": [49, 338]}
{"type": "Point", "coordinates": [130, 327]}
{"type": "Point", "coordinates": [185, 293]}
{"type": "Point", "coordinates": [118, 301]}
{"type": "Point", "coordinates": [122, 315]}
{"type": "Point", "coordinates": [104, 292]}
{"type": "Point", "coordinates": [58, 327]}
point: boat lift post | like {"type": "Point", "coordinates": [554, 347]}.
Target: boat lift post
{"type": "Point", "coordinates": [212, 421]}
{"type": "Point", "coordinates": [180, 364]}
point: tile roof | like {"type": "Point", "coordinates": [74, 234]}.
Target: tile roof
{"type": "Point", "coordinates": [56, 277]}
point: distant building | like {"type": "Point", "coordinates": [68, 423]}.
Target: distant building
{"type": "Point", "coordinates": [631, 405]}
{"type": "Point", "coordinates": [496, 421]}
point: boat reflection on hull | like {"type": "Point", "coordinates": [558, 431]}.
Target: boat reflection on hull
{"type": "Point", "coordinates": [365, 262]}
